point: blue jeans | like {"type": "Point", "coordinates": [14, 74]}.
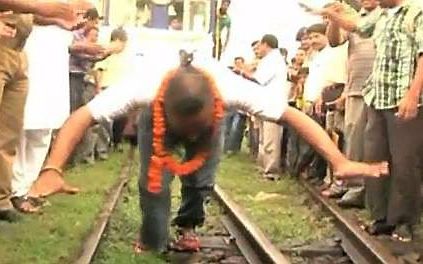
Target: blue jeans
{"type": "Point", "coordinates": [155, 207]}
{"type": "Point", "coordinates": [234, 126]}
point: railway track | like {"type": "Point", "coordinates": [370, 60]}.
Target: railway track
{"type": "Point", "coordinates": [239, 241]}
{"type": "Point", "coordinates": [357, 244]}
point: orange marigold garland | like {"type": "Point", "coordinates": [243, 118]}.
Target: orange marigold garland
{"type": "Point", "coordinates": [161, 158]}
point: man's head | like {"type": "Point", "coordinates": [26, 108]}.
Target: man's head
{"type": "Point", "coordinates": [306, 42]}
{"type": "Point", "coordinates": [255, 47]}
{"type": "Point", "coordinates": [317, 34]}
{"type": "Point", "coordinates": [369, 5]}
{"type": "Point", "coordinates": [189, 103]}
{"type": "Point", "coordinates": [300, 56]}
{"type": "Point", "coordinates": [267, 44]}
{"type": "Point", "coordinates": [119, 34]}
{"type": "Point", "coordinates": [389, 3]}
{"type": "Point", "coordinates": [91, 34]}
{"type": "Point", "coordinates": [239, 63]}
{"type": "Point", "coordinates": [224, 7]}
{"type": "Point", "coordinates": [175, 24]}
{"type": "Point", "coordinates": [92, 17]}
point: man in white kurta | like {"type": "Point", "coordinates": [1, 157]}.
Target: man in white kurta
{"type": "Point", "coordinates": [47, 105]}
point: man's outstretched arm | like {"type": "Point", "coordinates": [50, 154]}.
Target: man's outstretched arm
{"type": "Point", "coordinates": [50, 180]}
{"type": "Point", "coordinates": [311, 132]}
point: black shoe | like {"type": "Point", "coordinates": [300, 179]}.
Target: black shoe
{"type": "Point", "coordinates": [352, 200]}
{"type": "Point", "coordinates": [403, 233]}
{"type": "Point", "coordinates": [350, 203]}
{"type": "Point", "coordinates": [379, 227]}
{"type": "Point", "coordinates": [9, 215]}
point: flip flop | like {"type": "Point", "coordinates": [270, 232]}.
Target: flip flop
{"type": "Point", "coordinates": [186, 243]}
{"type": "Point", "coordinates": [25, 205]}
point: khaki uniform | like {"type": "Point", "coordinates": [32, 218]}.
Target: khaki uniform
{"type": "Point", "coordinates": [13, 91]}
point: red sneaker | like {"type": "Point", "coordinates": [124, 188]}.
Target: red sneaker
{"type": "Point", "coordinates": [187, 242]}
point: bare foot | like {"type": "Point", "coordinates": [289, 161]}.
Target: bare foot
{"type": "Point", "coordinates": [351, 169]}
{"type": "Point", "coordinates": [50, 183]}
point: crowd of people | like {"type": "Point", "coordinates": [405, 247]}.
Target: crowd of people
{"type": "Point", "coordinates": [53, 64]}
{"type": "Point", "coordinates": [358, 75]}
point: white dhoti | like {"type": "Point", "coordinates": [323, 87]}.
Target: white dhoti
{"type": "Point", "coordinates": [47, 105]}
{"type": "Point", "coordinates": [30, 157]}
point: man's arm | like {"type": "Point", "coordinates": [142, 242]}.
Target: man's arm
{"type": "Point", "coordinates": [46, 9]}
{"type": "Point", "coordinates": [335, 36]}
{"type": "Point", "coordinates": [311, 132]}
{"type": "Point", "coordinates": [408, 107]}
{"type": "Point", "coordinates": [86, 48]}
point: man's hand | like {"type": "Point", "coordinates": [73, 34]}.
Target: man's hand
{"type": "Point", "coordinates": [7, 31]}
{"type": "Point", "coordinates": [55, 9]}
{"type": "Point", "coordinates": [338, 104]}
{"type": "Point", "coordinates": [408, 107]}
{"type": "Point", "coordinates": [336, 7]}
{"type": "Point", "coordinates": [49, 183]}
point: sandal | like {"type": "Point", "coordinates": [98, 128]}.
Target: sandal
{"type": "Point", "coordinates": [187, 242]}
{"type": "Point", "coordinates": [25, 205]}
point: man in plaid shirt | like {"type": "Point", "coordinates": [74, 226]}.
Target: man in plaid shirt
{"type": "Point", "coordinates": [393, 94]}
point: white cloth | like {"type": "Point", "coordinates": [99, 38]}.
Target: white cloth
{"type": "Point", "coordinates": [47, 104]}
{"type": "Point", "coordinates": [140, 86]}
{"type": "Point", "coordinates": [30, 156]}
{"type": "Point", "coordinates": [327, 68]}
{"type": "Point", "coordinates": [272, 73]}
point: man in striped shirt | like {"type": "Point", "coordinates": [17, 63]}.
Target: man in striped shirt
{"type": "Point", "coordinates": [393, 94]}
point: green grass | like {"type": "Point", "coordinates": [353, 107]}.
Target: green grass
{"type": "Point", "coordinates": [56, 235]}
{"type": "Point", "coordinates": [285, 219]}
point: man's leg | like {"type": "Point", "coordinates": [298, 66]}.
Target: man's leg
{"type": "Point", "coordinates": [195, 190]}
{"type": "Point", "coordinates": [76, 86]}
{"type": "Point", "coordinates": [376, 149]}
{"type": "Point", "coordinates": [355, 124]}
{"type": "Point", "coordinates": [155, 208]}
{"type": "Point", "coordinates": [237, 132]}
{"type": "Point", "coordinates": [12, 102]}
{"type": "Point", "coordinates": [405, 143]}
{"type": "Point", "coordinates": [103, 139]}
{"type": "Point", "coordinates": [272, 136]}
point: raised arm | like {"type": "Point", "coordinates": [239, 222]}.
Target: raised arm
{"type": "Point", "coordinates": [41, 8]}
{"type": "Point", "coordinates": [335, 36]}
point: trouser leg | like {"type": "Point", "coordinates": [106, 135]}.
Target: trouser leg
{"type": "Point", "coordinates": [13, 93]}
{"type": "Point", "coordinates": [196, 188]}
{"type": "Point", "coordinates": [271, 147]}
{"type": "Point", "coordinates": [405, 144]}
{"type": "Point", "coordinates": [355, 124]}
{"type": "Point", "coordinates": [155, 207]}
{"type": "Point", "coordinates": [376, 148]}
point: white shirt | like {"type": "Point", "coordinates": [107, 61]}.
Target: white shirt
{"type": "Point", "coordinates": [328, 67]}
{"type": "Point", "coordinates": [272, 73]}
{"type": "Point", "coordinates": [47, 104]}
{"type": "Point", "coordinates": [140, 86]}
